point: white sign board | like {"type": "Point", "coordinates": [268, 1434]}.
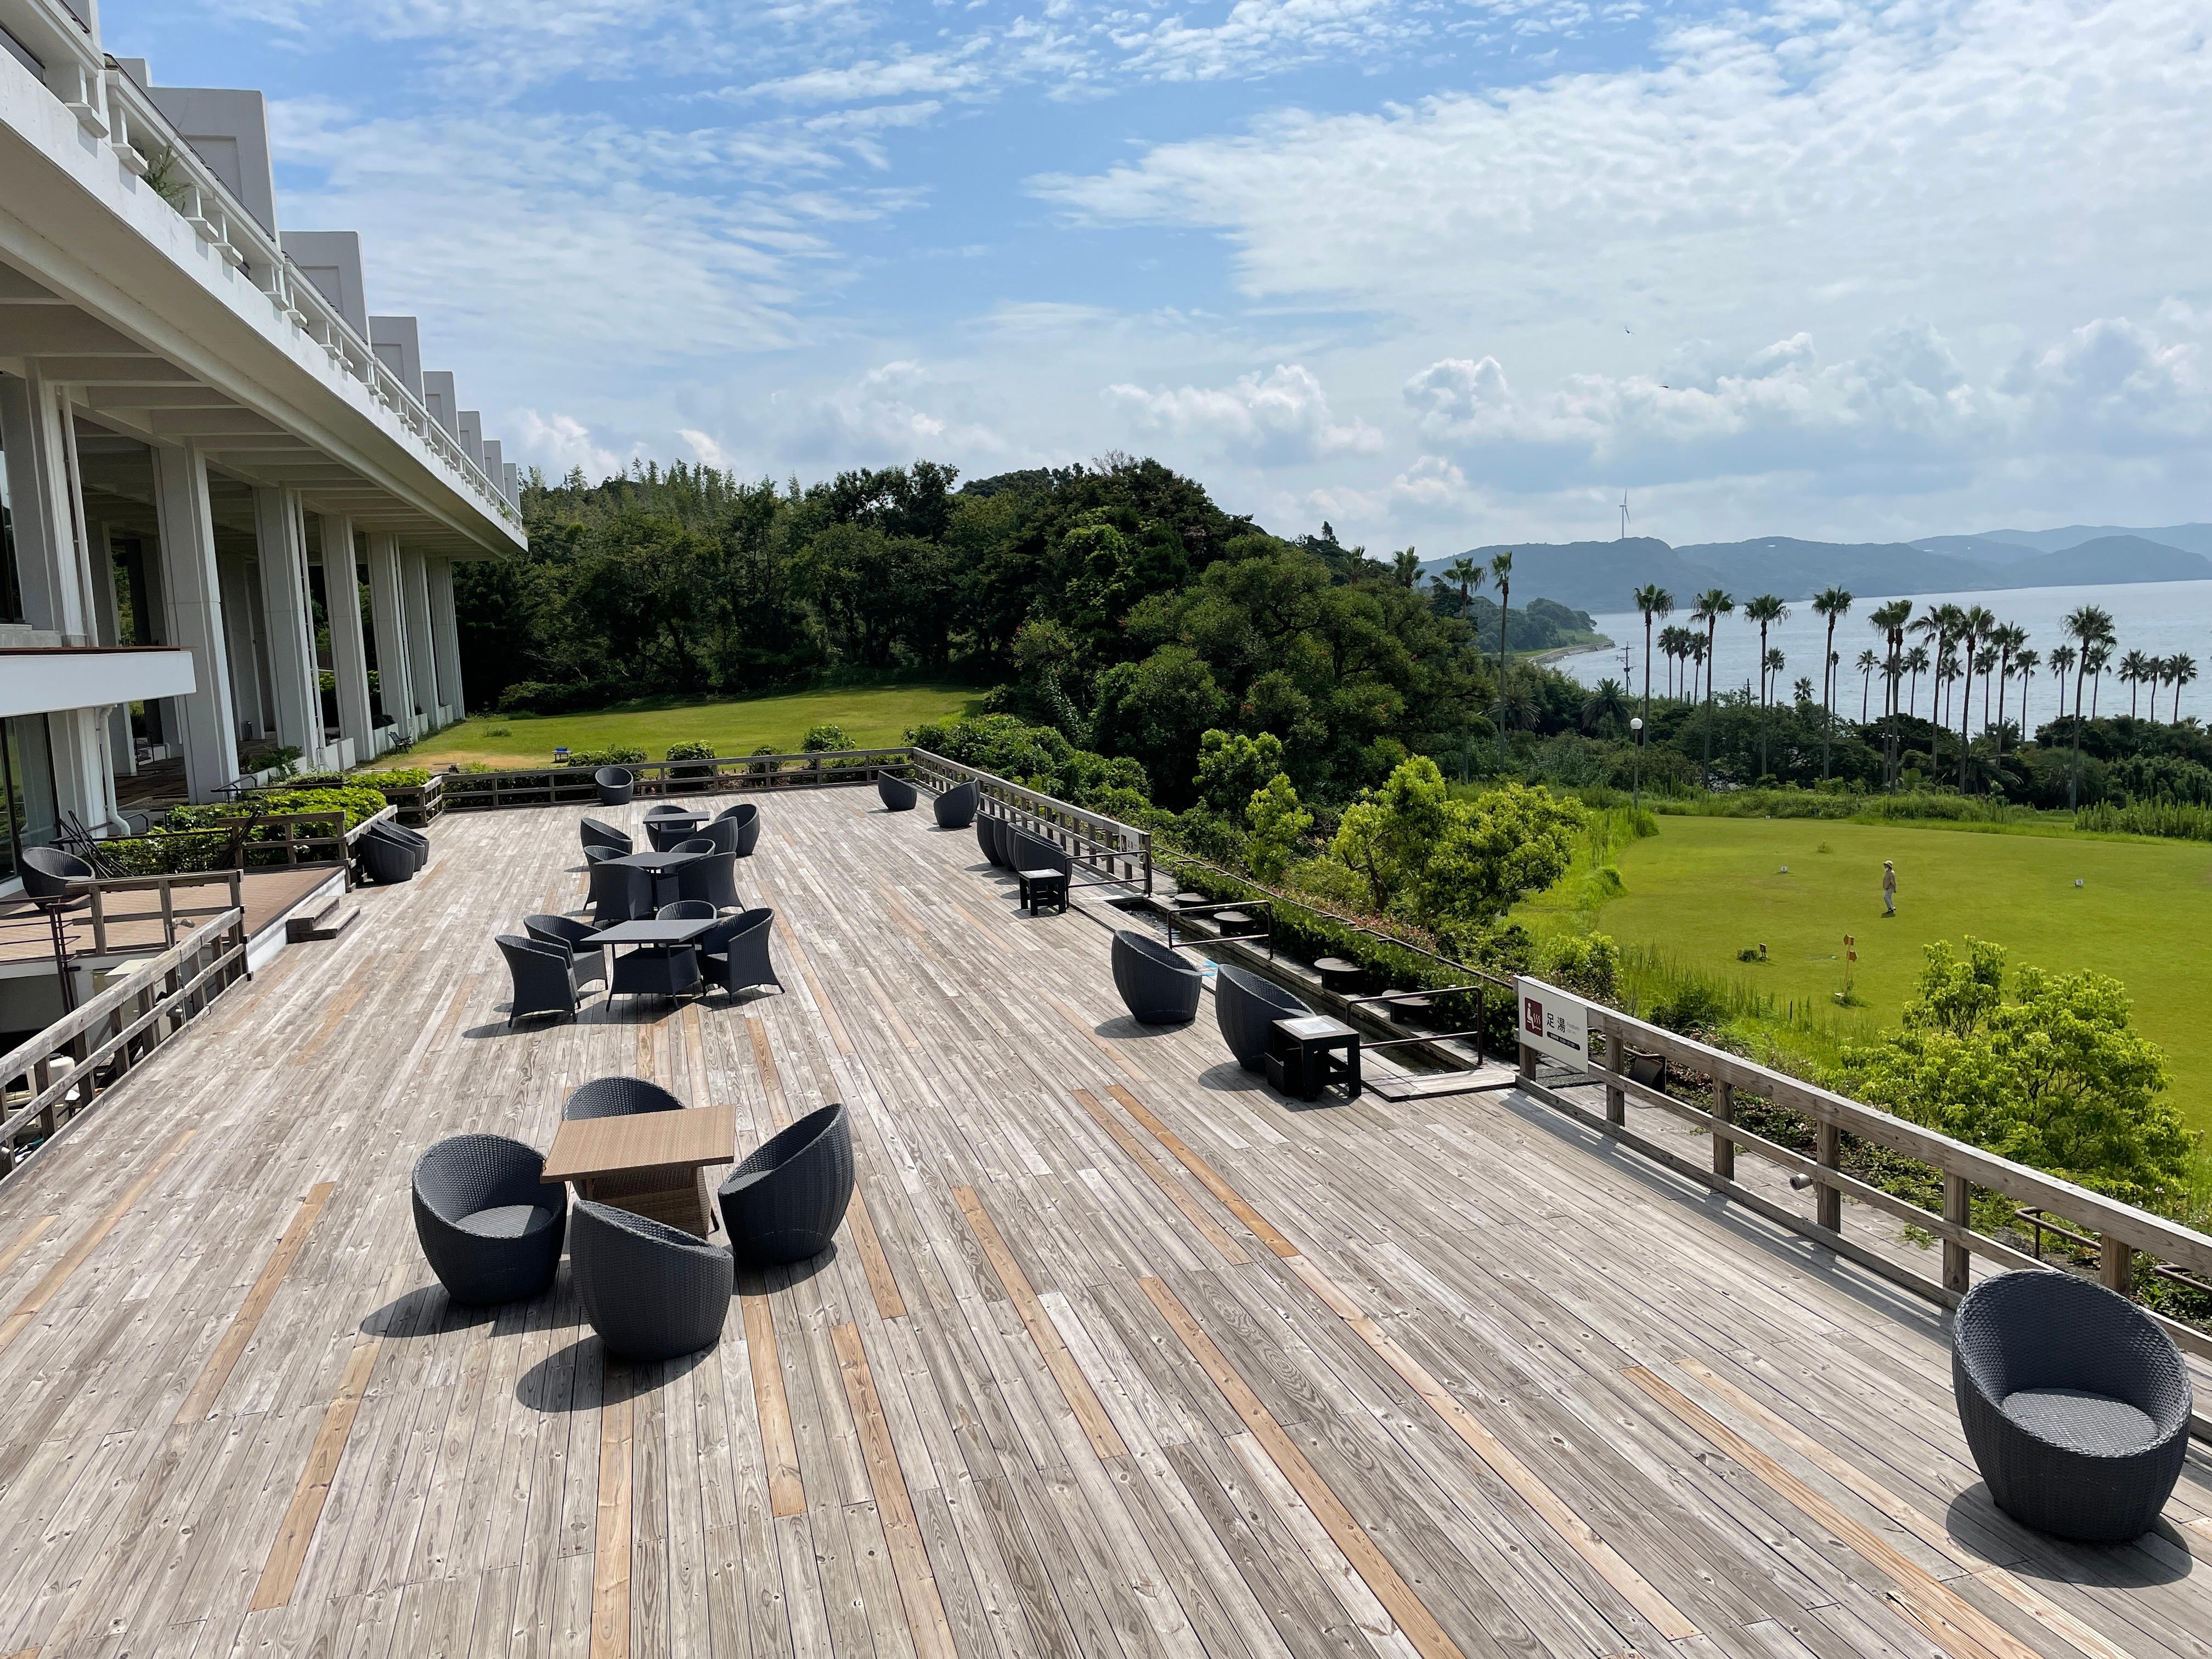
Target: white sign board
{"type": "Point", "coordinates": [1554, 1025]}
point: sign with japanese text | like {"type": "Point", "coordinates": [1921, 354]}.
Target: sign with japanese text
{"type": "Point", "coordinates": [1554, 1025]}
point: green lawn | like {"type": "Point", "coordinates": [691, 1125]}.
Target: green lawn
{"type": "Point", "coordinates": [1704, 889]}
{"type": "Point", "coordinates": [874, 716]}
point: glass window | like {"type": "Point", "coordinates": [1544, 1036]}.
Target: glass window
{"type": "Point", "coordinates": [11, 584]}
{"type": "Point", "coordinates": [27, 790]}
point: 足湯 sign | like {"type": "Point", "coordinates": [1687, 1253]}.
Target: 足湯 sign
{"type": "Point", "coordinates": [1555, 1025]}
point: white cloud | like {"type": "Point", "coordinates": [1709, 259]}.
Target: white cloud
{"type": "Point", "coordinates": [558, 442]}
{"type": "Point", "coordinates": [897, 77]}
{"type": "Point", "coordinates": [710, 453]}
{"type": "Point", "coordinates": [1280, 418]}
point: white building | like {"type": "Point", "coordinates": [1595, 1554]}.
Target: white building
{"type": "Point", "coordinates": [202, 426]}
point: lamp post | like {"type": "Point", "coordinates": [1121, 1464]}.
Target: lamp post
{"type": "Point", "coordinates": [1635, 726]}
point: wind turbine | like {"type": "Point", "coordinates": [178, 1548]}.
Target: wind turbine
{"type": "Point", "coordinates": [1624, 515]}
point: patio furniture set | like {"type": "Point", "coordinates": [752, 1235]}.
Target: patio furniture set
{"type": "Point", "coordinates": [664, 921]}
{"type": "Point", "coordinates": [492, 1214]}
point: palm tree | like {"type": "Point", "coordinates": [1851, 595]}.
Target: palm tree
{"type": "Point", "coordinates": [1653, 601]}
{"type": "Point", "coordinates": [1693, 647]}
{"type": "Point", "coordinates": [1834, 603]}
{"type": "Point", "coordinates": [2062, 665]}
{"type": "Point", "coordinates": [1766, 610]}
{"type": "Point", "coordinates": [1712, 604]}
{"type": "Point", "coordinates": [2180, 670]}
{"type": "Point", "coordinates": [1772, 664]}
{"type": "Point", "coordinates": [2024, 663]}
{"type": "Point", "coordinates": [2138, 669]}
{"type": "Point", "coordinates": [2090, 626]}
{"type": "Point", "coordinates": [1501, 572]}
{"type": "Point", "coordinates": [1866, 665]}
{"type": "Point", "coordinates": [2100, 660]}
{"type": "Point", "coordinates": [1975, 627]}
{"type": "Point", "coordinates": [1606, 704]}
{"type": "Point", "coordinates": [1917, 660]}
{"type": "Point", "coordinates": [1933, 626]}
{"type": "Point", "coordinates": [1889, 620]}
{"type": "Point", "coordinates": [1465, 574]}
{"type": "Point", "coordinates": [2008, 638]}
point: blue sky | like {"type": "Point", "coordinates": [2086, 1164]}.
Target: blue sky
{"type": "Point", "coordinates": [1441, 271]}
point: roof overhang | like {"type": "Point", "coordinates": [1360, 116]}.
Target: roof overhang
{"type": "Point", "coordinates": [42, 680]}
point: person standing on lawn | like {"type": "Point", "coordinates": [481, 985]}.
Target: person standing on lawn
{"type": "Point", "coordinates": [1888, 888]}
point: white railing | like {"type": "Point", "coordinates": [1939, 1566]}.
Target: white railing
{"type": "Point", "coordinates": [146, 144]}
{"type": "Point", "coordinates": [63, 43]}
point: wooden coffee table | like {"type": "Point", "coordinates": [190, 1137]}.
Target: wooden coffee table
{"type": "Point", "coordinates": [651, 1163]}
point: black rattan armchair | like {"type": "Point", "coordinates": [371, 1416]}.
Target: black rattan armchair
{"type": "Point", "coordinates": [490, 1227]}
{"type": "Point", "coordinates": [618, 1096]}
{"type": "Point", "coordinates": [956, 807]}
{"type": "Point", "coordinates": [652, 1292]}
{"type": "Point", "coordinates": [987, 837]}
{"type": "Point", "coordinates": [47, 872]}
{"type": "Point", "coordinates": [2076, 1405]}
{"type": "Point", "coordinates": [620, 893]}
{"type": "Point", "coordinates": [685, 910]}
{"type": "Point", "coordinates": [597, 832]}
{"type": "Point", "coordinates": [722, 831]}
{"type": "Point", "coordinates": [1247, 1007]}
{"type": "Point", "coordinates": [746, 814]}
{"type": "Point", "coordinates": [385, 862]}
{"type": "Point", "coordinates": [545, 975]}
{"type": "Point", "coordinates": [617, 785]}
{"type": "Point", "coordinates": [738, 959]}
{"type": "Point", "coordinates": [897, 794]}
{"type": "Point", "coordinates": [1157, 987]}
{"type": "Point", "coordinates": [710, 879]}
{"type": "Point", "coordinates": [783, 1202]}
{"type": "Point", "coordinates": [575, 938]}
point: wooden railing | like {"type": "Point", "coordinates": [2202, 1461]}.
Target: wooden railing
{"type": "Point", "coordinates": [285, 838]}
{"type": "Point", "coordinates": [573, 786]}
{"type": "Point", "coordinates": [166, 909]}
{"type": "Point", "coordinates": [1111, 851]}
{"type": "Point", "coordinates": [52, 1080]}
{"type": "Point", "coordinates": [2123, 1231]}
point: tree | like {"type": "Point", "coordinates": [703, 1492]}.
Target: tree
{"type": "Point", "coordinates": [1889, 620]}
{"type": "Point", "coordinates": [1936, 627]}
{"type": "Point", "coordinates": [1917, 660]}
{"type": "Point", "coordinates": [2138, 669]}
{"type": "Point", "coordinates": [2180, 669]}
{"type": "Point", "coordinates": [2051, 1075]}
{"type": "Point", "coordinates": [1156, 712]}
{"type": "Point", "coordinates": [1233, 767]}
{"type": "Point", "coordinates": [1387, 835]}
{"type": "Point", "coordinates": [1766, 611]}
{"type": "Point", "coordinates": [1653, 601]}
{"type": "Point", "coordinates": [1405, 565]}
{"type": "Point", "coordinates": [1833, 604]}
{"type": "Point", "coordinates": [2024, 663]}
{"type": "Point", "coordinates": [1712, 604]}
{"type": "Point", "coordinates": [1501, 572]}
{"type": "Point", "coordinates": [1277, 822]}
{"type": "Point", "coordinates": [1453, 863]}
{"type": "Point", "coordinates": [2008, 639]}
{"type": "Point", "coordinates": [2088, 627]}
{"type": "Point", "coordinates": [1866, 665]}
{"type": "Point", "coordinates": [1974, 628]}
{"type": "Point", "coordinates": [1466, 575]}
{"type": "Point", "coordinates": [1607, 705]}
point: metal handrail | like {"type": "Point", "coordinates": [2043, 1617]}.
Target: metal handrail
{"type": "Point", "coordinates": [225, 223]}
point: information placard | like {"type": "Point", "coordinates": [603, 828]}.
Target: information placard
{"type": "Point", "coordinates": [1555, 1025]}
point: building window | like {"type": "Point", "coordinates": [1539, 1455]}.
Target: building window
{"type": "Point", "coordinates": [27, 803]}
{"type": "Point", "coordinates": [11, 584]}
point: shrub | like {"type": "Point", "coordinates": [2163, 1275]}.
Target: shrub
{"type": "Point", "coordinates": [400, 777]}
{"type": "Point", "coordinates": [691, 751]}
{"type": "Point", "coordinates": [530, 697]}
{"type": "Point", "coordinates": [824, 737]}
{"type": "Point", "coordinates": [622, 755]}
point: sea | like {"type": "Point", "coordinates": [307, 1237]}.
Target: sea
{"type": "Point", "coordinates": [2162, 619]}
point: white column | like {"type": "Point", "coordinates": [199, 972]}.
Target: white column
{"type": "Point", "coordinates": [387, 610]}
{"type": "Point", "coordinates": [287, 622]}
{"type": "Point", "coordinates": [421, 653]}
{"type": "Point", "coordinates": [240, 634]}
{"type": "Point", "coordinates": [192, 611]}
{"type": "Point", "coordinates": [348, 649]}
{"type": "Point", "coordinates": [446, 632]}
{"type": "Point", "coordinates": [46, 507]}
{"type": "Point", "coordinates": [107, 620]}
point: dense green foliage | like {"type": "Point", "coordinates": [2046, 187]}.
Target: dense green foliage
{"type": "Point", "coordinates": [2050, 1075]}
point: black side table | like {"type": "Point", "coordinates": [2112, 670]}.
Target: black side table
{"type": "Point", "coordinates": [1307, 1054]}
{"type": "Point", "coordinates": [1039, 886]}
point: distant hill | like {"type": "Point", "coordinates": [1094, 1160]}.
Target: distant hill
{"type": "Point", "coordinates": [1984, 550]}
{"type": "Point", "coordinates": [1600, 576]}
{"type": "Point", "coordinates": [2189, 537]}
{"type": "Point", "coordinates": [2122, 558]}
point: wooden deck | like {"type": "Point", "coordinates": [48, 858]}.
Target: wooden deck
{"type": "Point", "coordinates": [1119, 1354]}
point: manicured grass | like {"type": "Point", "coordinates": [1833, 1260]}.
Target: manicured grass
{"type": "Point", "coordinates": [873, 716]}
{"type": "Point", "coordinates": [1704, 889]}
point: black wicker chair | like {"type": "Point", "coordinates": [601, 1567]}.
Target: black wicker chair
{"type": "Point", "coordinates": [1248, 1006]}
{"type": "Point", "coordinates": [385, 862]}
{"type": "Point", "coordinates": [490, 1227]}
{"type": "Point", "coordinates": [47, 872]}
{"type": "Point", "coordinates": [734, 955]}
{"type": "Point", "coordinates": [1157, 987]}
{"type": "Point", "coordinates": [2076, 1405]}
{"type": "Point", "coordinates": [723, 832]}
{"type": "Point", "coordinates": [783, 1202]}
{"type": "Point", "coordinates": [897, 794]}
{"type": "Point", "coordinates": [620, 893]}
{"type": "Point", "coordinates": [987, 836]}
{"type": "Point", "coordinates": [956, 807]}
{"type": "Point", "coordinates": [712, 878]}
{"type": "Point", "coordinates": [545, 975]}
{"type": "Point", "coordinates": [601, 854]}
{"type": "Point", "coordinates": [668, 831]}
{"type": "Point", "coordinates": [617, 785]}
{"type": "Point", "coordinates": [416, 843]}
{"type": "Point", "coordinates": [575, 938]}
{"type": "Point", "coordinates": [686, 910]}
{"type": "Point", "coordinates": [598, 833]}
{"type": "Point", "coordinates": [652, 1292]}
{"type": "Point", "coordinates": [746, 814]}
{"type": "Point", "coordinates": [618, 1096]}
